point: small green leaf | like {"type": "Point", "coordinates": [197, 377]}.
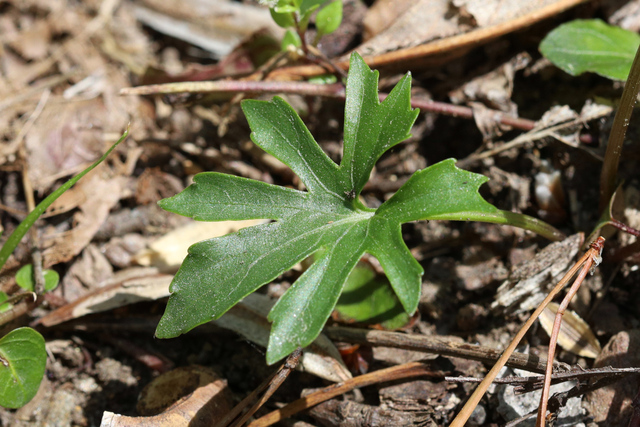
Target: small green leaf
{"type": "Point", "coordinates": [22, 363]}
{"type": "Point", "coordinates": [4, 306]}
{"type": "Point", "coordinates": [310, 5]}
{"type": "Point", "coordinates": [283, 17]}
{"type": "Point", "coordinates": [288, 5]}
{"type": "Point", "coordinates": [291, 38]}
{"type": "Point", "coordinates": [327, 219]}
{"type": "Point", "coordinates": [305, 16]}
{"type": "Point", "coordinates": [329, 18]}
{"type": "Point", "coordinates": [323, 79]}
{"type": "Point", "coordinates": [369, 298]}
{"type": "Point", "coordinates": [24, 278]}
{"type": "Point", "coordinates": [591, 45]}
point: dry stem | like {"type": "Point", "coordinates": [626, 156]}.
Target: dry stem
{"type": "Point", "coordinates": [586, 260]}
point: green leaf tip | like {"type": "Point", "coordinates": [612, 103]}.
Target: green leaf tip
{"type": "Point", "coordinates": [327, 219]}
{"type": "Point", "coordinates": [591, 45]}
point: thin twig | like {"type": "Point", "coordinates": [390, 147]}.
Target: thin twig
{"type": "Point", "coordinates": [433, 345]}
{"type": "Point", "coordinates": [407, 370]}
{"type": "Point", "coordinates": [275, 383]}
{"type": "Point", "coordinates": [467, 409]}
{"type": "Point", "coordinates": [534, 382]}
{"type": "Point", "coordinates": [331, 90]}
{"type": "Point", "coordinates": [271, 384]}
{"type": "Point", "coordinates": [596, 259]}
{"type": "Point", "coordinates": [624, 227]}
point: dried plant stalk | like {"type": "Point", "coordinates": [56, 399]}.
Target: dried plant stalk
{"type": "Point", "coordinates": [584, 264]}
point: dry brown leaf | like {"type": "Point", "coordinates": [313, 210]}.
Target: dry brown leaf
{"type": "Point", "coordinates": [429, 20]}
{"type": "Point", "coordinates": [125, 287]}
{"type": "Point", "coordinates": [168, 252]}
{"type": "Point", "coordinates": [216, 26]}
{"type": "Point", "coordinates": [612, 406]}
{"type": "Point", "coordinates": [382, 14]}
{"type": "Point", "coordinates": [575, 334]}
{"type": "Point", "coordinates": [33, 43]}
{"type": "Point", "coordinates": [86, 273]}
{"type": "Point", "coordinates": [204, 397]}
{"type": "Point", "coordinates": [64, 141]}
{"type": "Point", "coordinates": [426, 20]}
{"type": "Point", "coordinates": [492, 12]}
{"type": "Point", "coordinates": [100, 196]}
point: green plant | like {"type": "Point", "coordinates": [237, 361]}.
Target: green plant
{"type": "Point", "coordinates": [294, 15]}
{"type": "Point", "coordinates": [22, 351]}
{"type": "Point", "coordinates": [329, 216]}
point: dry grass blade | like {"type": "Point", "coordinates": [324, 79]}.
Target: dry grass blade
{"type": "Point", "coordinates": [596, 251]}
{"type": "Point", "coordinates": [584, 264]}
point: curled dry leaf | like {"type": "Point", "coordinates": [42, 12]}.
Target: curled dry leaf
{"type": "Point", "coordinates": [575, 334]}
{"type": "Point", "coordinates": [100, 195]}
{"type": "Point", "coordinates": [203, 397]}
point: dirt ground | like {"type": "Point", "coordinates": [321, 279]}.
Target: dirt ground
{"type": "Point", "coordinates": [63, 65]}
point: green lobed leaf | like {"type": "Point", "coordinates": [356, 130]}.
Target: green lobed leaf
{"type": "Point", "coordinates": [278, 130]}
{"type": "Point", "coordinates": [591, 45]}
{"type": "Point", "coordinates": [23, 360]}
{"type": "Point", "coordinates": [299, 316]}
{"type": "Point", "coordinates": [441, 191]}
{"type": "Point", "coordinates": [216, 197]}
{"type": "Point", "coordinates": [371, 127]}
{"type": "Point", "coordinates": [328, 218]}
{"type": "Point", "coordinates": [403, 271]}
{"type": "Point", "coordinates": [329, 18]}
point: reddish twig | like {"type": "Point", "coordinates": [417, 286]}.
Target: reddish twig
{"type": "Point", "coordinates": [332, 90]}
{"type": "Point", "coordinates": [596, 258]}
{"type": "Point", "coordinates": [624, 227]}
{"type": "Point", "coordinates": [586, 260]}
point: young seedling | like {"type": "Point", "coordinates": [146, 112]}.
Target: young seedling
{"type": "Point", "coordinates": [22, 351]}
{"type": "Point", "coordinates": [329, 216]}
{"type": "Point", "coordinates": [294, 15]}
